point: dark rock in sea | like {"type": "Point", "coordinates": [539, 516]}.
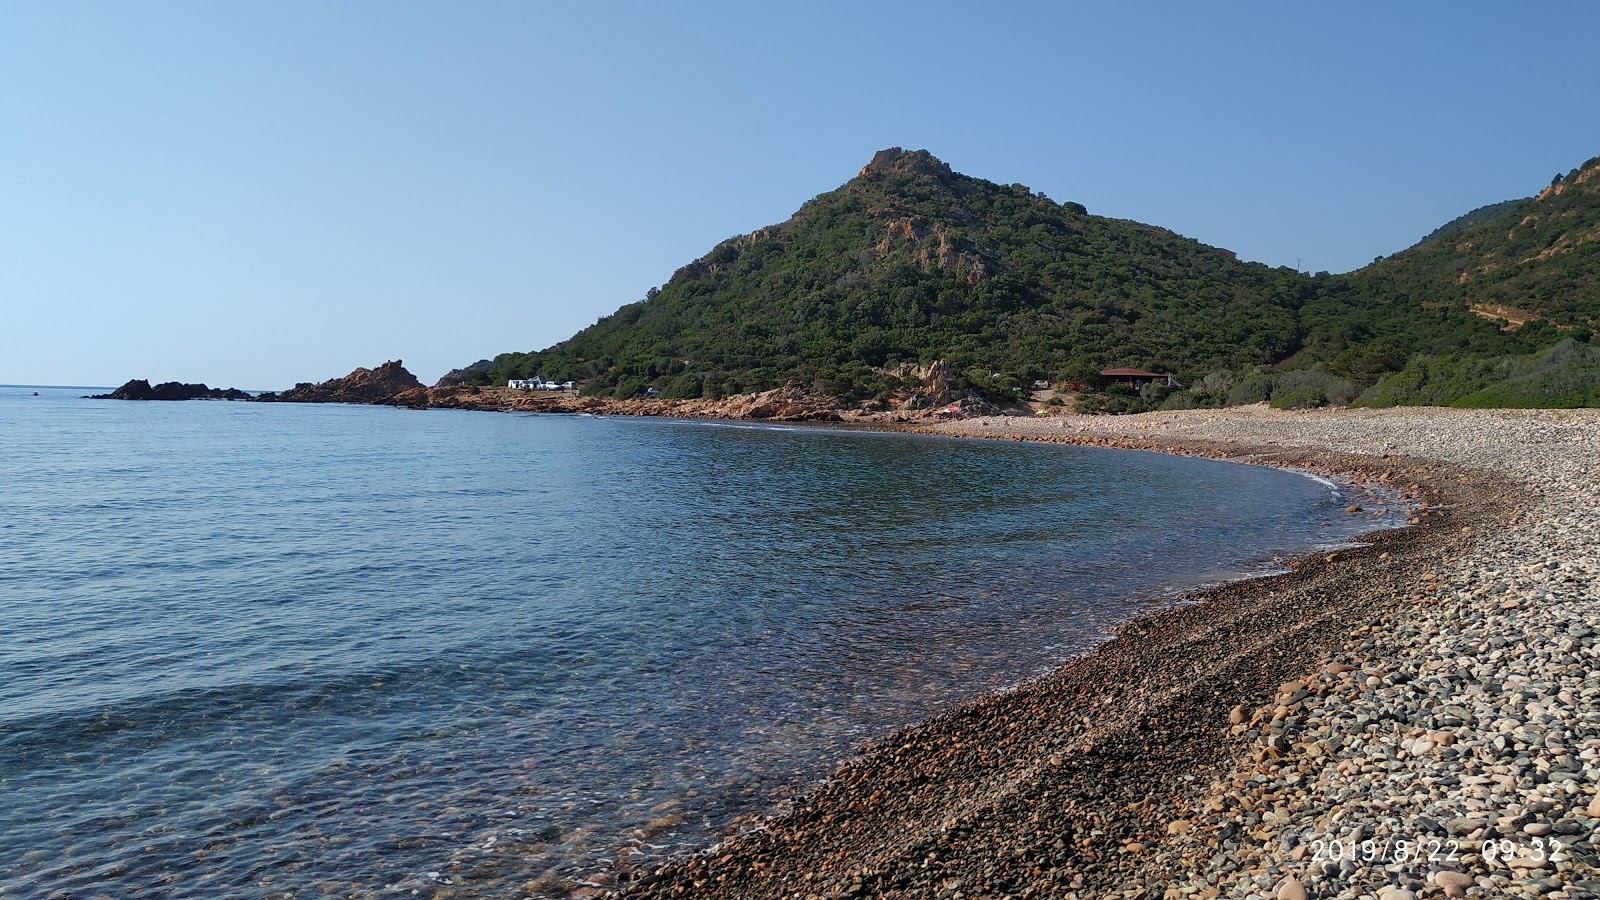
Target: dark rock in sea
{"type": "Point", "coordinates": [382, 385]}
{"type": "Point", "coordinates": [140, 389]}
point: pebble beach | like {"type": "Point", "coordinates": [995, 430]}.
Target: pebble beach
{"type": "Point", "coordinates": [1415, 717]}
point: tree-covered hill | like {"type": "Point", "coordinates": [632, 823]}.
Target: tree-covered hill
{"type": "Point", "coordinates": [1524, 262]}
{"type": "Point", "coordinates": [910, 263]}
{"type": "Point", "coordinates": [1528, 271]}
{"type": "Point", "coordinates": [1467, 220]}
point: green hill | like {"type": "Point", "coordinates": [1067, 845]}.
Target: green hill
{"type": "Point", "coordinates": [1540, 258]}
{"type": "Point", "coordinates": [1533, 261]}
{"type": "Point", "coordinates": [909, 263]}
{"type": "Point", "coordinates": [1467, 220]}
{"type": "Point", "coordinates": [1531, 268]}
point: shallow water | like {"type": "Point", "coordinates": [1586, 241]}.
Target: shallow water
{"type": "Point", "coordinates": [270, 650]}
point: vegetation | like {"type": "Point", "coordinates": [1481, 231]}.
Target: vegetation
{"type": "Point", "coordinates": [1461, 223]}
{"type": "Point", "coordinates": [910, 263]}
{"type": "Point", "coordinates": [1565, 375]}
{"type": "Point", "coordinates": [1535, 261]}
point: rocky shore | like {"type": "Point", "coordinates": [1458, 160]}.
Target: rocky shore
{"type": "Point", "coordinates": [391, 384]}
{"type": "Point", "coordinates": [779, 405]}
{"type": "Point", "coordinates": [1419, 717]}
{"type": "Point", "coordinates": [383, 385]}
{"type": "Point", "coordinates": [140, 389]}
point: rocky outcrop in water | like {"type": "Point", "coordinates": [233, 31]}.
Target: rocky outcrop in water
{"type": "Point", "coordinates": [140, 389]}
{"type": "Point", "coordinates": [382, 385]}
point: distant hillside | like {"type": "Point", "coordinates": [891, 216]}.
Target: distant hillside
{"type": "Point", "coordinates": [1463, 222]}
{"type": "Point", "coordinates": [1529, 264]}
{"type": "Point", "coordinates": [909, 263]}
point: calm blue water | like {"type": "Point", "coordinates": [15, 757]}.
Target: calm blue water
{"type": "Point", "coordinates": [264, 650]}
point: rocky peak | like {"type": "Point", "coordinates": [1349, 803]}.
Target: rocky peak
{"type": "Point", "coordinates": [392, 373]}
{"type": "Point", "coordinates": [907, 162]}
{"type": "Point", "coordinates": [361, 386]}
{"type": "Point", "coordinates": [1586, 177]}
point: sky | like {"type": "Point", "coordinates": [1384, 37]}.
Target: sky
{"type": "Point", "coordinates": [254, 194]}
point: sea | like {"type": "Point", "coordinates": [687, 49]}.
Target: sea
{"type": "Point", "coordinates": [275, 650]}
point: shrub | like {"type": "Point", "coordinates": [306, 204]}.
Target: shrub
{"type": "Point", "coordinates": [1303, 389]}
{"type": "Point", "coordinates": [629, 387]}
{"type": "Point", "coordinates": [1250, 389]}
{"type": "Point", "coordinates": [1343, 392]}
{"type": "Point", "coordinates": [685, 386]}
{"type": "Point", "coordinates": [1299, 398]}
{"type": "Point", "coordinates": [1111, 404]}
{"type": "Point", "coordinates": [1155, 392]}
{"type": "Point", "coordinates": [1564, 375]}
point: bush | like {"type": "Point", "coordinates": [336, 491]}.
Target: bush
{"type": "Point", "coordinates": [1562, 376]}
{"type": "Point", "coordinates": [1343, 392]}
{"type": "Point", "coordinates": [1155, 392]}
{"type": "Point", "coordinates": [1111, 404]}
{"type": "Point", "coordinates": [1207, 392]}
{"type": "Point", "coordinates": [629, 387]}
{"type": "Point", "coordinates": [1250, 389]}
{"type": "Point", "coordinates": [1299, 398]}
{"type": "Point", "coordinates": [686, 386]}
{"type": "Point", "coordinates": [1367, 363]}
{"type": "Point", "coordinates": [1219, 383]}
{"type": "Point", "coordinates": [1303, 389]}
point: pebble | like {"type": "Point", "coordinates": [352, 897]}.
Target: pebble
{"type": "Point", "coordinates": [1477, 711]}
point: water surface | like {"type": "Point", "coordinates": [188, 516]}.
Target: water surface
{"type": "Point", "coordinates": [283, 650]}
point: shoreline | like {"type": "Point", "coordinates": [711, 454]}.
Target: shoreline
{"type": "Point", "coordinates": [1441, 684]}
{"type": "Point", "coordinates": [1146, 768]}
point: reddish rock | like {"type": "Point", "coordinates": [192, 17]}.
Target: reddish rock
{"type": "Point", "coordinates": [382, 385]}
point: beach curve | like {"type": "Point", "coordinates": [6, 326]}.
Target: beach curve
{"type": "Point", "coordinates": [1221, 747]}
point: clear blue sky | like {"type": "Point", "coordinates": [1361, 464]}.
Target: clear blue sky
{"type": "Point", "coordinates": [257, 193]}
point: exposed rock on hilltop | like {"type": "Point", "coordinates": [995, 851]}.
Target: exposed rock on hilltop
{"type": "Point", "coordinates": [140, 389]}
{"type": "Point", "coordinates": [384, 384]}
{"type": "Point", "coordinates": [915, 162]}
